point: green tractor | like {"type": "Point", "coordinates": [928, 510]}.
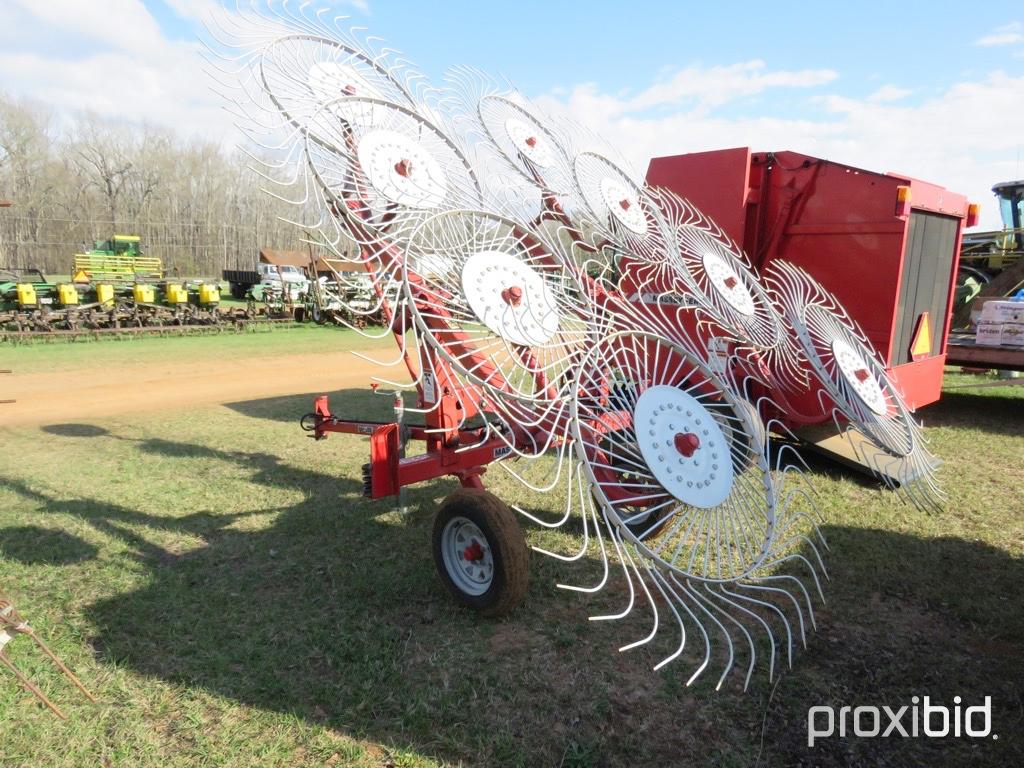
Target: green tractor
{"type": "Point", "coordinates": [119, 260]}
{"type": "Point", "coordinates": [992, 263]}
{"type": "Point", "coordinates": [113, 285]}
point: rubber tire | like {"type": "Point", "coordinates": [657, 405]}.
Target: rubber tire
{"type": "Point", "coordinates": [508, 548]}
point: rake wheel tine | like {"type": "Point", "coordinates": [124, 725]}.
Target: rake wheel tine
{"type": "Point", "coordinates": [739, 624]}
{"type": "Point", "coordinates": [702, 602]}
{"type": "Point", "coordinates": [32, 687]}
{"type": "Point", "coordinates": [658, 580]}
{"type": "Point", "coordinates": [654, 608]}
{"type": "Point", "coordinates": [681, 600]}
{"type": "Point", "coordinates": [614, 536]}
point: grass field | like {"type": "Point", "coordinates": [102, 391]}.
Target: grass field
{"type": "Point", "coordinates": [221, 584]}
{"type": "Point", "coordinates": [116, 351]}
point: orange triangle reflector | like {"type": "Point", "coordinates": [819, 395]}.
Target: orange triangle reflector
{"type": "Point", "coordinates": [921, 347]}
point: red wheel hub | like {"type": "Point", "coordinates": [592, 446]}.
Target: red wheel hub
{"type": "Point", "coordinates": [625, 204]}
{"type": "Point", "coordinates": [862, 374]}
{"type": "Point", "coordinates": [531, 141]}
{"type": "Point", "coordinates": [473, 552]}
{"type": "Point", "coordinates": [687, 443]}
{"type": "Point", "coordinates": [403, 168]}
{"type": "Point", "coordinates": [512, 296]}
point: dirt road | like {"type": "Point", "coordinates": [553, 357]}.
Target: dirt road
{"type": "Point", "coordinates": [64, 396]}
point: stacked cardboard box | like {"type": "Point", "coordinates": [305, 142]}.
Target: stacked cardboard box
{"type": "Point", "coordinates": [1001, 324]}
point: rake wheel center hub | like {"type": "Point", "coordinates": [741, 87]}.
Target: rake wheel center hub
{"type": "Point", "coordinates": [329, 80]}
{"type": "Point", "coordinates": [727, 284]}
{"type": "Point", "coordinates": [510, 297]}
{"type": "Point", "coordinates": [686, 443]}
{"type": "Point", "coordinates": [401, 169]}
{"type": "Point", "coordinates": [623, 204]}
{"type": "Point", "coordinates": [683, 446]}
{"type": "Point", "coordinates": [854, 369]}
{"type": "Point", "coordinates": [529, 143]}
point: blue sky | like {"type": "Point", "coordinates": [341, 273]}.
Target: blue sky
{"type": "Point", "coordinates": [934, 89]}
{"type": "Point", "coordinates": [542, 45]}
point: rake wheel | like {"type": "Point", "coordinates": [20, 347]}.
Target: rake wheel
{"type": "Point", "coordinates": [697, 495]}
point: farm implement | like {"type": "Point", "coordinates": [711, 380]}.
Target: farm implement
{"type": "Point", "coordinates": [114, 290]}
{"type": "Point", "coordinates": [602, 341]}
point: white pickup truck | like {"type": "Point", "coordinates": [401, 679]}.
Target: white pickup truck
{"type": "Point", "coordinates": [266, 277]}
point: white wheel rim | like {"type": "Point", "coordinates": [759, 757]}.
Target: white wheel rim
{"type": "Point", "coordinates": [401, 170]}
{"type": "Point", "coordinates": [330, 81]}
{"type": "Point", "coordinates": [623, 204]}
{"type": "Point", "coordinates": [529, 317]}
{"type": "Point", "coordinates": [467, 556]}
{"type": "Point", "coordinates": [728, 284]}
{"type": "Point", "coordinates": [683, 446]}
{"type": "Point", "coordinates": [859, 375]}
{"type": "Point", "coordinates": [530, 142]}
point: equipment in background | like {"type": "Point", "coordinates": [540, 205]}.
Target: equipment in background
{"type": "Point", "coordinates": [117, 260]}
{"type": "Point", "coordinates": [992, 263]}
{"type": "Point", "coordinates": [115, 286]}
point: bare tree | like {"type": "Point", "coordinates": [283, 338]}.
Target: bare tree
{"type": "Point", "coordinates": [195, 206]}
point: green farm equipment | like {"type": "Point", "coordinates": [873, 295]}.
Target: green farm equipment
{"type": "Point", "coordinates": [114, 285]}
{"type": "Point", "coordinates": [992, 263]}
{"type": "Point", "coordinates": [117, 260]}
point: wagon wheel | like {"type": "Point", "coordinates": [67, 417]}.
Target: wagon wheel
{"type": "Point", "coordinates": [480, 551]}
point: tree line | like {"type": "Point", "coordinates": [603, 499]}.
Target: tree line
{"type": "Point", "coordinates": [74, 180]}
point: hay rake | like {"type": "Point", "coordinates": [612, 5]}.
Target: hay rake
{"type": "Point", "coordinates": [597, 339]}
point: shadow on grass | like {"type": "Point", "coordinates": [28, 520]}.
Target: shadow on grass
{"type": "Point", "coordinates": [908, 616]}
{"type": "Point", "coordinates": [32, 545]}
{"type": "Point", "coordinates": [338, 622]}
{"type": "Point", "coordinates": [75, 430]}
{"type": "Point", "coordinates": [984, 411]}
{"type": "Point", "coordinates": [333, 614]}
{"type": "Point", "coordinates": [346, 403]}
